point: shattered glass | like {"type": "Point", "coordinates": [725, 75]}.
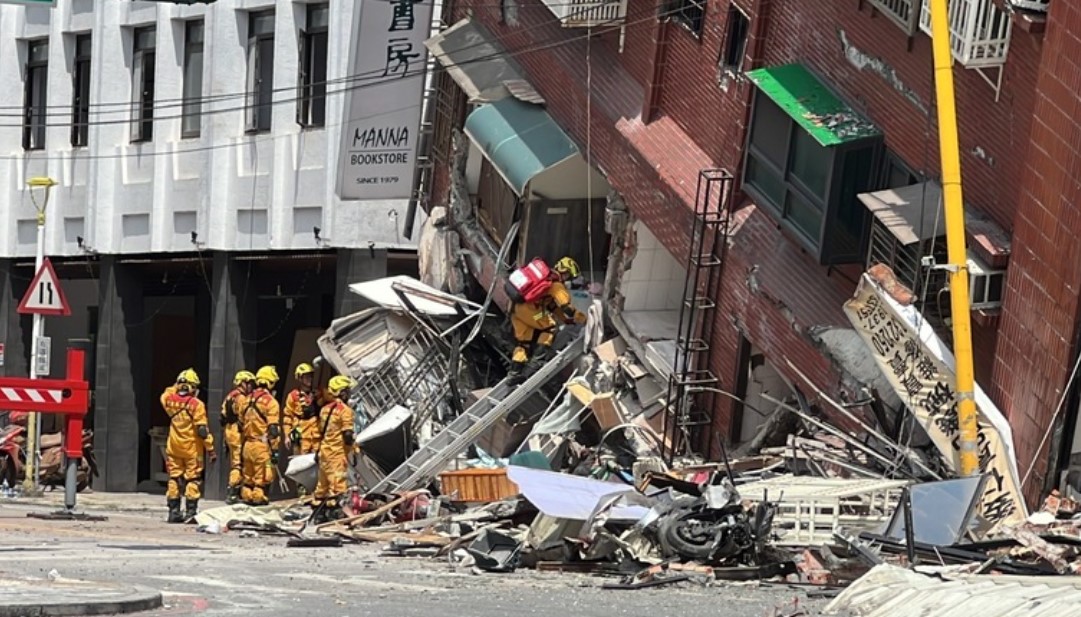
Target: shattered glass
{"type": "Point", "coordinates": [942, 512]}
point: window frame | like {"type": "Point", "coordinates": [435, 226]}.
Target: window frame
{"type": "Point", "coordinates": [735, 16]}
{"type": "Point", "coordinates": [143, 76]}
{"type": "Point", "coordinates": [80, 90]}
{"type": "Point", "coordinates": [192, 106]}
{"type": "Point", "coordinates": [311, 91]}
{"type": "Point", "coordinates": [691, 14]}
{"type": "Point", "coordinates": [35, 134]}
{"type": "Point", "coordinates": [826, 244]}
{"type": "Point", "coordinates": [256, 109]}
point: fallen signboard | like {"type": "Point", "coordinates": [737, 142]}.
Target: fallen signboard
{"type": "Point", "coordinates": [917, 366]}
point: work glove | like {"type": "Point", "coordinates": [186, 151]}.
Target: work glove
{"type": "Point", "coordinates": [294, 435]}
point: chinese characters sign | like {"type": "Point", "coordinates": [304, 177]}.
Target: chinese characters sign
{"type": "Point", "coordinates": [927, 387]}
{"type": "Point", "coordinates": [381, 126]}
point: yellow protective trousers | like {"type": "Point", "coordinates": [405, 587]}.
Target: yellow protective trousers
{"type": "Point", "coordinates": [185, 473]}
{"type": "Point", "coordinates": [533, 325]}
{"type": "Point", "coordinates": [333, 480]}
{"type": "Point", "coordinates": [258, 473]}
{"type": "Point", "coordinates": [232, 441]}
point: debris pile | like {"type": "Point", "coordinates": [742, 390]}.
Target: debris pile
{"type": "Point", "coordinates": [572, 468]}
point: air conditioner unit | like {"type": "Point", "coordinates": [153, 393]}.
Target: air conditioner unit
{"type": "Point", "coordinates": [1031, 5]}
{"type": "Point", "coordinates": [985, 285]}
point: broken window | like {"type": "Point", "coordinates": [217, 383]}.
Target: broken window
{"type": "Point", "coordinates": [735, 41]}
{"type": "Point", "coordinates": [812, 188]}
{"type": "Point", "coordinates": [690, 13]}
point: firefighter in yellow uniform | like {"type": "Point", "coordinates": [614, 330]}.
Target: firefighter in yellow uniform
{"type": "Point", "coordinates": [299, 415]}
{"type": "Point", "coordinates": [261, 433]}
{"type": "Point", "coordinates": [189, 441]}
{"type": "Point", "coordinates": [234, 403]}
{"type": "Point", "coordinates": [535, 323]}
{"type": "Point", "coordinates": [300, 419]}
{"type": "Point", "coordinates": [335, 444]}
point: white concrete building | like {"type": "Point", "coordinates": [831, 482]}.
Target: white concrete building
{"type": "Point", "coordinates": [124, 192]}
{"type": "Point", "coordinates": [196, 150]}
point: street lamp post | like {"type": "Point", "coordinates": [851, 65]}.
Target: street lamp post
{"type": "Point", "coordinates": [33, 423]}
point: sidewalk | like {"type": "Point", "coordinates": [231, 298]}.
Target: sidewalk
{"type": "Point", "coordinates": [102, 502]}
{"type": "Point", "coordinates": [64, 598]}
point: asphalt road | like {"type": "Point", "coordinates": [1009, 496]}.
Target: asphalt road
{"type": "Point", "coordinates": [230, 575]}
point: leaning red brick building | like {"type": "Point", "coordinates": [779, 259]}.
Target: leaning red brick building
{"type": "Point", "coordinates": [600, 129]}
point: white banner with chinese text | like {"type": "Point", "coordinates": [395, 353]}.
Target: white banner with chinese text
{"type": "Point", "coordinates": [914, 363]}
{"type": "Point", "coordinates": [383, 99]}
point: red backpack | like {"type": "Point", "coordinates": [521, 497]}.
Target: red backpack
{"type": "Point", "coordinates": [529, 283]}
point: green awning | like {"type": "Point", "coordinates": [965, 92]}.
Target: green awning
{"type": "Point", "coordinates": [811, 104]}
{"type": "Point", "coordinates": [520, 139]}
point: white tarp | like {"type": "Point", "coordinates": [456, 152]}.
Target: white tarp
{"type": "Point", "coordinates": [385, 423]}
{"type": "Point", "coordinates": [570, 497]}
{"type": "Point", "coordinates": [920, 368]}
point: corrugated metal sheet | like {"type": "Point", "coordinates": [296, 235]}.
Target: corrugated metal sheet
{"type": "Point", "coordinates": [889, 591]}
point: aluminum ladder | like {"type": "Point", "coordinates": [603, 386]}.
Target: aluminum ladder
{"type": "Point", "coordinates": [432, 457]}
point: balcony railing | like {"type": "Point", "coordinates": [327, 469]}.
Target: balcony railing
{"type": "Point", "coordinates": [901, 12]}
{"type": "Point", "coordinates": [979, 32]}
{"type": "Point", "coordinates": [588, 13]}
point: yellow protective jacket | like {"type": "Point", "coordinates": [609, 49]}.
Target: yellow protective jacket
{"type": "Point", "coordinates": [232, 406]}
{"type": "Point", "coordinates": [189, 434]}
{"type": "Point", "coordinates": [297, 403]}
{"type": "Point", "coordinates": [259, 414]}
{"type": "Point", "coordinates": [335, 418]}
{"type": "Point", "coordinates": [561, 303]}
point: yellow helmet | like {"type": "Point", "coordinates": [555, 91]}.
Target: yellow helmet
{"type": "Point", "coordinates": [188, 376]}
{"type": "Point", "coordinates": [267, 375]}
{"type": "Point", "coordinates": [568, 268]}
{"type": "Point", "coordinates": [303, 369]}
{"type": "Point", "coordinates": [339, 384]}
{"type": "Point", "coordinates": [243, 377]}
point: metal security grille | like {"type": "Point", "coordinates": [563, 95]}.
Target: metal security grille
{"type": "Point", "coordinates": [901, 12]}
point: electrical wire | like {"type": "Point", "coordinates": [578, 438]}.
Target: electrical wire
{"type": "Point", "coordinates": [589, 148]}
{"type": "Point", "coordinates": [126, 106]}
{"type": "Point", "coordinates": [65, 110]}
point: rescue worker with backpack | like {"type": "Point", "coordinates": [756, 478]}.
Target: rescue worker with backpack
{"type": "Point", "coordinates": [189, 441]}
{"type": "Point", "coordinates": [261, 432]}
{"type": "Point", "coordinates": [336, 441]}
{"type": "Point", "coordinates": [235, 402]}
{"type": "Point", "coordinates": [541, 304]}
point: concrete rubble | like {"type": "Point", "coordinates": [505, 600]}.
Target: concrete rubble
{"type": "Point", "coordinates": [576, 475]}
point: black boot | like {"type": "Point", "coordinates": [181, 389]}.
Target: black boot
{"type": "Point", "coordinates": [192, 510]}
{"type": "Point", "coordinates": [174, 511]}
{"type": "Point", "coordinates": [319, 515]}
{"type": "Point", "coordinates": [233, 495]}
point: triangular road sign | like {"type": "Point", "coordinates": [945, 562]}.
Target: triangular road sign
{"type": "Point", "coordinates": [44, 297]}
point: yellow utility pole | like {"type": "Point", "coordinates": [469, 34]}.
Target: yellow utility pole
{"type": "Point", "coordinates": [949, 150]}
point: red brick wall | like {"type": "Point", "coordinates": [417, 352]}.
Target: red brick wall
{"type": "Point", "coordinates": [1034, 353]}
{"type": "Point", "coordinates": [813, 33]}
{"type": "Point", "coordinates": [772, 291]}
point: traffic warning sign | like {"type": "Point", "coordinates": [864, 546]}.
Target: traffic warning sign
{"type": "Point", "coordinates": [44, 297]}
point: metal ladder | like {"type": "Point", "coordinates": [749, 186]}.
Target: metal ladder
{"type": "Point", "coordinates": [467, 428]}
